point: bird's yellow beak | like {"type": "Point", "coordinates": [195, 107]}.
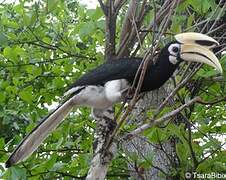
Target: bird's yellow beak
{"type": "Point", "coordinates": [196, 47]}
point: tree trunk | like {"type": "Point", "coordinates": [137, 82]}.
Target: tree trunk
{"type": "Point", "coordinates": [159, 156]}
{"type": "Point", "coordinates": [100, 160]}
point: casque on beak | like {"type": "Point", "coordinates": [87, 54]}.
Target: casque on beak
{"type": "Point", "coordinates": [196, 38]}
{"type": "Point", "coordinates": [196, 47]}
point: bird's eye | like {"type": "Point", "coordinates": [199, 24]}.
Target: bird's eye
{"type": "Point", "coordinates": [175, 49]}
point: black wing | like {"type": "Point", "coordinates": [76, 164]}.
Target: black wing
{"type": "Point", "coordinates": [117, 69]}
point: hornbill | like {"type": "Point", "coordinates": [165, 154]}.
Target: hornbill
{"type": "Point", "coordinates": [105, 85]}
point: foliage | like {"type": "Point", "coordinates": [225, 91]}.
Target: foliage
{"type": "Point", "coordinates": [45, 45]}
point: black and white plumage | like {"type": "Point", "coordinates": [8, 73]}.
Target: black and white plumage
{"type": "Point", "coordinates": [104, 86]}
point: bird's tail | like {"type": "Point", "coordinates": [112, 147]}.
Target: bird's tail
{"type": "Point", "coordinates": [31, 142]}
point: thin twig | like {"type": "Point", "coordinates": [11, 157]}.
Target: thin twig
{"type": "Point", "coordinates": [213, 152]}
{"type": "Point", "coordinates": [206, 24]}
{"type": "Point", "coordinates": [38, 62]}
{"type": "Point", "coordinates": [159, 121]}
{"type": "Point", "coordinates": [164, 118]}
{"type": "Point", "coordinates": [178, 87]}
{"type": "Point", "coordinates": [218, 17]}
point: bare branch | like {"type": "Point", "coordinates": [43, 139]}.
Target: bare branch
{"type": "Point", "coordinates": [173, 113]}
{"type": "Point", "coordinates": [45, 61]}
{"type": "Point", "coordinates": [118, 4]}
{"type": "Point", "coordinates": [129, 36]}
{"type": "Point", "coordinates": [212, 153]}
{"type": "Point", "coordinates": [209, 19]}
{"type": "Point", "coordinates": [159, 121]}
{"type": "Point", "coordinates": [193, 155]}
{"type": "Point", "coordinates": [179, 86]}
{"type": "Point", "coordinates": [211, 103]}
{"type": "Point", "coordinates": [103, 7]}
{"type": "Point", "coordinates": [101, 159]}
{"type": "Point", "coordinates": [165, 11]}
{"type": "Point", "coordinates": [110, 33]}
{"type": "Point", "coordinates": [127, 24]}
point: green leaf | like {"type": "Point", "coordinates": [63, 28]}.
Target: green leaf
{"type": "Point", "coordinates": [10, 24]}
{"type": "Point", "coordinates": [30, 127]}
{"type": "Point", "coordinates": [37, 71]}
{"type": "Point", "coordinates": [205, 73]}
{"type": "Point", "coordinates": [13, 53]}
{"type": "Point", "coordinates": [28, 18]}
{"type": "Point", "coordinates": [26, 94]}
{"type": "Point", "coordinates": [50, 163]}
{"type": "Point", "coordinates": [7, 52]}
{"type": "Point", "coordinates": [19, 9]}
{"type": "Point", "coordinates": [87, 29]}
{"type": "Point", "coordinates": [156, 135]}
{"type": "Point", "coordinates": [11, 89]}
{"type": "Point", "coordinates": [200, 6]}
{"type": "Point", "coordinates": [52, 4]}
{"type": "Point", "coordinates": [3, 39]}
{"type": "Point", "coordinates": [17, 173]}
{"type": "Point", "coordinates": [2, 143]}
{"type": "Point", "coordinates": [58, 165]}
{"type": "Point", "coordinates": [182, 152]}
{"type": "Point", "coordinates": [95, 14]}
{"type": "Point", "coordinates": [2, 97]}
{"type": "Point", "coordinates": [58, 82]}
{"type": "Point", "coordinates": [57, 70]}
{"type": "Point", "coordinates": [190, 20]}
{"type": "Point", "coordinates": [46, 40]}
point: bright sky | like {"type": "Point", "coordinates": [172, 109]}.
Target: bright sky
{"type": "Point", "coordinates": [90, 3]}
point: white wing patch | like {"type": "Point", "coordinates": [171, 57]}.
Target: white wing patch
{"type": "Point", "coordinates": [99, 97]}
{"type": "Point", "coordinates": [114, 89]}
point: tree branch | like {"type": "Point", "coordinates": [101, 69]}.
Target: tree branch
{"type": "Point", "coordinates": [118, 4]}
{"type": "Point", "coordinates": [155, 122]}
{"type": "Point", "coordinates": [127, 25]}
{"type": "Point", "coordinates": [103, 7]}
{"type": "Point", "coordinates": [102, 159]}
{"type": "Point", "coordinates": [110, 33]}
{"type": "Point", "coordinates": [129, 34]}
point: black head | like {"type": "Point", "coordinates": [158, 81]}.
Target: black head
{"type": "Point", "coordinates": [190, 47]}
{"type": "Point", "coordinates": [170, 54]}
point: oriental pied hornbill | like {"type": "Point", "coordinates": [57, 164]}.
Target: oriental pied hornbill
{"type": "Point", "coordinates": [104, 86]}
